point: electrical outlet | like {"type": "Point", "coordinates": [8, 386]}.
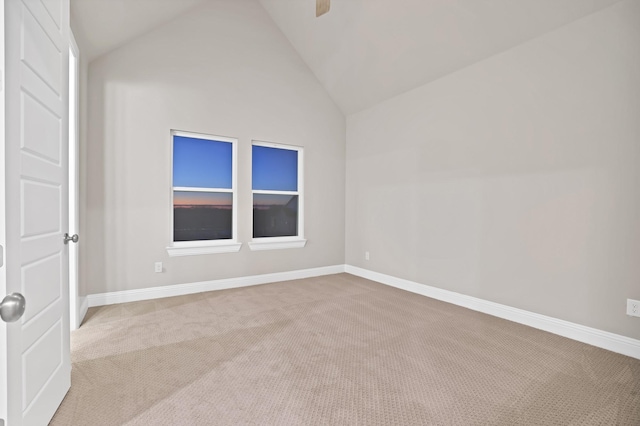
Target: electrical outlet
{"type": "Point", "coordinates": [366, 255]}
{"type": "Point", "coordinates": [633, 307]}
{"type": "Point", "coordinates": [158, 267]}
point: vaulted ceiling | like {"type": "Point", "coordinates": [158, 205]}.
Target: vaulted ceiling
{"type": "Point", "coordinates": [103, 25]}
{"type": "Point", "coordinates": [362, 51]}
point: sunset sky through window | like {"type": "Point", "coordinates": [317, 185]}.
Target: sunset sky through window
{"type": "Point", "coordinates": [204, 163]}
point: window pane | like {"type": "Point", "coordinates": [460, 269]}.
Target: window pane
{"type": "Point", "coordinates": [275, 215]}
{"type": "Point", "coordinates": [201, 163]}
{"type": "Point", "coordinates": [274, 169]}
{"type": "Point", "coordinates": [202, 215]}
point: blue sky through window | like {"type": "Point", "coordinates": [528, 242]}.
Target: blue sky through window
{"type": "Point", "coordinates": [201, 163]}
{"type": "Point", "coordinates": [274, 169]}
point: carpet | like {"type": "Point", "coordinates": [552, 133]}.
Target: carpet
{"type": "Point", "coordinates": [334, 350]}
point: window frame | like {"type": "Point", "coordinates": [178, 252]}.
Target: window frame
{"type": "Point", "coordinates": [274, 243]}
{"type": "Point", "coordinates": [198, 247]}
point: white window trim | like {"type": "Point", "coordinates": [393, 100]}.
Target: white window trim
{"type": "Point", "coordinates": [192, 248]}
{"type": "Point", "coordinates": [277, 243]}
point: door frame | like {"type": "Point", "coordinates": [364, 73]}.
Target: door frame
{"type": "Point", "coordinates": [74, 182]}
{"type": "Point", "coordinates": [3, 240]}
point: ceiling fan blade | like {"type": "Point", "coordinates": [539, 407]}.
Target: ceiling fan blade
{"type": "Point", "coordinates": [322, 7]}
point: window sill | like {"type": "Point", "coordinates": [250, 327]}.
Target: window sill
{"type": "Point", "coordinates": [277, 244]}
{"type": "Point", "coordinates": [195, 249]}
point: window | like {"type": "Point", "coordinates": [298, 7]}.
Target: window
{"type": "Point", "coordinates": [277, 196]}
{"type": "Point", "coordinates": [204, 194]}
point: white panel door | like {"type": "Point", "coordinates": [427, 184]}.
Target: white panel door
{"type": "Point", "coordinates": [36, 49]}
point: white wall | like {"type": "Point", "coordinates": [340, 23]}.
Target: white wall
{"type": "Point", "coordinates": [514, 180]}
{"type": "Point", "coordinates": [222, 69]}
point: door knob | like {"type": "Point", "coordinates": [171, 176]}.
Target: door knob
{"type": "Point", "coordinates": [12, 307]}
{"type": "Point", "coordinates": [73, 238]}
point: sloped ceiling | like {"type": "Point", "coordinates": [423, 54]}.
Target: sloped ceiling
{"type": "Point", "coordinates": [103, 25]}
{"type": "Point", "coordinates": [362, 51]}
{"type": "Point", "coordinates": [366, 51]}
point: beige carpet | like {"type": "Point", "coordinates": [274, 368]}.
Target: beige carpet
{"type": "Point", "coordinates": [335, 350]}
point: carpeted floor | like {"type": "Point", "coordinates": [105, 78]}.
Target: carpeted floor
{"type": "Point", "coordinates": [334, 350]}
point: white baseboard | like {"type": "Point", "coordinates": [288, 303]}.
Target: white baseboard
{"type": "Point", "coordinates": [199, 287]}
{"type": "Point", "coordinates": [84, 307]}
{"type": "Point", "coordinates": [602, 339]}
